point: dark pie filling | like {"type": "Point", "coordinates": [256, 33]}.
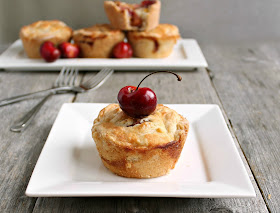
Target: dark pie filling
{"type": "Point", "coordinates": [89, 40]}
{"type": "Point", "coordinates": [135, 123]}
{"type": "Point", "coordinates": [138, 121]}
{"type": "Point", "coordinates": [156, 45]}
{"type": "Point", "coordinates": [135, 20]}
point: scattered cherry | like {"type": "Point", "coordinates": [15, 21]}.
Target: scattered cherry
{"type": "Point", "coordinates": [49, 52]}
{"type": "Point", "coordinates": [69, 50]}
{"type": "Point", "coordinates": [139, 102]}
{"type": "Point", "coordinates": [122, 50]}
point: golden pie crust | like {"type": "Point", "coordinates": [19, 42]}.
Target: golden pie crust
{"type": "Point", "coordinates": [139, 148]}
{"type": "Point", "coordinates": [97, 41]}
{"type": "Point", "coordinates": [120, 16]}
{"type": "Point", "coordinates": [157, 43]}
{"type": "Point", "coordinates": [33, 35]}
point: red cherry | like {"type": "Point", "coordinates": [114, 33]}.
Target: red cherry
{"type": "Point", "coordinates": [147, 3]}
{"type": "Point", "coordinates": [69, 50]}
{"type": "Point", "coordinates": [122, 50]}
{"type": "Point", "coordinates": [139, 102]}
{"type": "Point", "coordinates": [49, 52]}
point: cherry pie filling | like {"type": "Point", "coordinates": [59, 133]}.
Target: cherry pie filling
{"type": "Point", "coordinates": [139, 121]}
{"type": "Point", "coordinates": [135, 19]}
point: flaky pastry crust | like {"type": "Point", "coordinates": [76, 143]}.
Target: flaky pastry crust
{"type": "Point", "coordinates": [35, 34]}
{"type": "Point", "coordinates": [157, 43]}
{"type": "Point", "coordinates": [139, 148]}
{"type": "Point", "coordinates": [97, 41]}
{"type": "Point", "coordinates": [120, 15]}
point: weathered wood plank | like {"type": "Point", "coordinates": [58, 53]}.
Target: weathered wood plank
{"type": "Point", "coordinates": [247, 80]}
{"type": "Point", "coordinates": [195, 88]}
{"type": "Point", "coordinates": [19, 151]}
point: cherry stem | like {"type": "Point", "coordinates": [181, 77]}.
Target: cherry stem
{"type": "Point", "coordinates": [179, 78]}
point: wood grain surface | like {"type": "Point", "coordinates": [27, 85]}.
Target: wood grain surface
{"type": "Point", "coordinates": [19, 151]}
{"type": "Point", "coordinates": [246, 86]}
{"type": "Point", "coordinates": [247, 81]}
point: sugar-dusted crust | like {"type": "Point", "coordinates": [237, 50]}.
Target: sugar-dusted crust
{"type": "Point", "coordinates": [120, 17]}
{"type": "Point", "coordinates": [35, 34]}
{"type": "Point", "coordinates": [157, 43]}
{"type": "Point", "coordinates": [97, 41]}
{"type": "Point", "coordinates": [139, 148]}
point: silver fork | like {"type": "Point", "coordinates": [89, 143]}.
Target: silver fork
{"type": "Point", "coordinates": [63, 89]}
{"type": "Point", "coordinates": [66, 77]}
{"type": "Point", "coordinates": [91, 84]}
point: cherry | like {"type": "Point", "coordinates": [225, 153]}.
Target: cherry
{"type": "Point", "coordinates": [147, 3]}
{"type": "Point", "coordinates": [49, 52]}
{"type": "Point", "coordinates": [69, 50]}
{"type": "Point", "coordinates": [139, 102]}
{"type": "Point", "coordinates": [122, 50]}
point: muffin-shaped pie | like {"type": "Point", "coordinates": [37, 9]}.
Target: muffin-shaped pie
{"type": "Point", "coordinates": [157, 43]}
{"type": "Point", "coordinates": [97, 41]}
{"type": "Point", "coordinates": [144, 16]}
{"type": "Point", "coordinates": [33, 35]}
{"type": "Point", "coordinates": [139, 148]}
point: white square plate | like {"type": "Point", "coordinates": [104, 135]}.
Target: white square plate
{"type": "Point", "coordinates": [209, 166]}
{"type": "Point", "coordinates": [186, 55]}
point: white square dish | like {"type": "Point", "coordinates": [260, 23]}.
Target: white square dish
{"type": "Point", "coordinates": [209, 166]}
{"type": "Point", "coordinates": [186, 55]}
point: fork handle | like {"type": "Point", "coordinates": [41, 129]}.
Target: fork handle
{"type": "Point", "coordinates": [24, 122]}
{"type": "Point", "coordinates": [39, 94]}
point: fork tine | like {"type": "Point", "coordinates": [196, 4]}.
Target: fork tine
{"type": "Point", "coordinates": [63, 76]}
{"type": "Point", "coordinates": [66, 76]}
{"type": "Point", "coordinates": [59, 77]}
{"type": "Point", "coordinates": [69, 76]}
{"type": "Point", "coordinates": [74, 76]}
{"type": "Point", "coordinates": [98, 79]}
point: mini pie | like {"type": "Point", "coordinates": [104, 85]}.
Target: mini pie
{"type": "Point", "coordinates": [35, 34]}
{"type": "Point", "coordinates": [139, 148]}
{"type": "Point", "coordinates": [157, 43]}
{"type": "Point", "coordinates": [97, 41]}
{"type": "Point", "coordinates": [144, 16]}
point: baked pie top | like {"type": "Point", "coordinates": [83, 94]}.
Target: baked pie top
{"type": "Point", "coordinates": [96, 31]}
{"type": "Point", "coordinates": [138, 8]}
{"type": "Point", "coordinates": [164, 125]}
{"type": "Point", "coordinates": [161, 31]}
{"type": "Point", "coordinates": [46, 30]}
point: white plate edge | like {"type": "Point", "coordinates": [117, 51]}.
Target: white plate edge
{"type": "Point", "coordinates": [8, 64]}
{"type": "Point", "coordinates": [249, 192]}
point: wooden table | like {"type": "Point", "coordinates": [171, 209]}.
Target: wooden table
{"type": "Point", "coordinates": [244, 81]}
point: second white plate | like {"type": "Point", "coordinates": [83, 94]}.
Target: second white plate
{"type": "Point", "coordinates": [209, 166]}
{"type": "Point", "coordinates": [186, 55]}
